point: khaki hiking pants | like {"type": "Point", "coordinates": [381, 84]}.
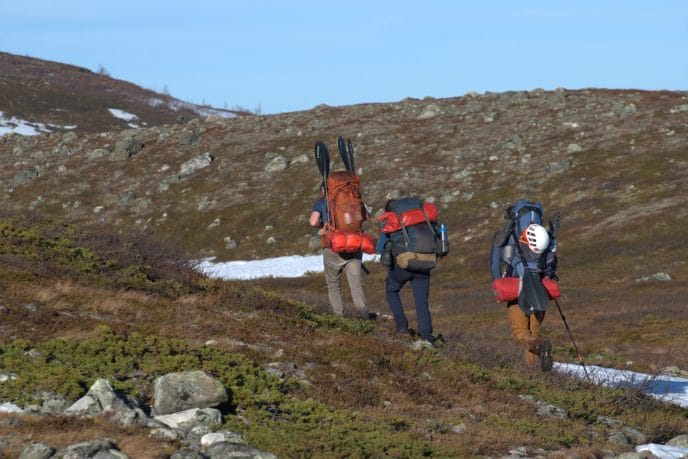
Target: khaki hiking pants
{"type": "Point", "coordinates": [334, 264]}
{"type": "Point", "coordinates": [525, 328]}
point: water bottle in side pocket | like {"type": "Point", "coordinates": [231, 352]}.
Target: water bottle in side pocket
{"type": "Point", "coordinates": [443, 241]}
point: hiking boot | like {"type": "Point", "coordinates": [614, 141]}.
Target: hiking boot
{"type": "Point", "coordinates": [546, 362]}
{"type": "Point", "coordinates": [437, 341]}
{"type": "Point", "coordinates": [419, 344]}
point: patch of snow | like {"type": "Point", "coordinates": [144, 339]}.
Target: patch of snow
{"type": "Point", "coordinates": [8, 407]}
{"type": "Point", "coordinates": [668, 389]}
{"type": "Point", "coordinates": [207, 111]}
{"type": "Point", "coordinates": [68, 127]}
{"type": "Point", "coordinates": [202, 111]}
{"type": "Point", "coordinates": [122, 115]}
{"type": "Point", "coordinates": [290, 266]}
{"type": "Point", "coordinates": [664, 451]}
{"type": "Point", "coordinates": [155, 102]}
{"type": "Point", "coordinates": [21, 127]}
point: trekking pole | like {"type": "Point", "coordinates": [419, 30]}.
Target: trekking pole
{"type": "Point", "coordinates": [579, 355]}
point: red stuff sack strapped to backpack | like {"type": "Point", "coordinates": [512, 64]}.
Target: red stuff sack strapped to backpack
{"type": "Point", "coordinates": [390, 220]}
{"type": "Point", "coordinates": [349, 242]}
{"type": "Point", "coordinates": [508, 288]}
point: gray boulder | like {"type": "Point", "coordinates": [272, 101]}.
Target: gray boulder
{"type": "Point", "coordinates": [627, 436]}
{"type": "Point", "coordinates": [25, 176]}
{"type": "Point", "coordinates": [573, 148]}
{"type": "Point", "coordinates": [187, 420]}
{"type": "Point", "coordinates": [226, 436]}
{"type": "Point", "coordinates": [301, 159]}
{"type": "Point", "coordinates": [126, 145]}
{"type": "Point", "coordinates": [559, 166]}
{"type": "Point", "coordinates": [175, 392]}
{"type": "Point", "coordinates": [103, 448]}
{"type": "Point", "coordinates": [277, 164]}
{"type": "Point", "coordinates": [637, 455]}
{"type": "Point", "coordinates": [52, 404]}
{"type": "Point", "coordinates": [187, 453]}
{"type": "Point", "coordinates": [227, 450]}
{"type": "Point", "coordinates": [679, 442]}
{"type": "Point", "coordinates": [86, 406]}
{"type": "Point", "coordinates": [194, 165]}
{"type": "Point", "coordinates": [37, 451]}
{"type": "Point", "coordinates": [97, 154]}
{"type": "Point", "coordinates": [102, 399]}
{"type": "Point", "coordinates": [189, 138]}
{"type": "Point", "coordinates": [545, 409]}
{"type": "Point", "coordinates": [430, 111]}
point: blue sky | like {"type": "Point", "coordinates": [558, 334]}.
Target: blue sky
{"type": "Point", "coordinates": [283, 55]}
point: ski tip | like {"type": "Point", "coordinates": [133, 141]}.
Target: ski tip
{"type": "Point", "coordinates": [341, 144]}
{"type": "Point", "coordinates": [320, 147]}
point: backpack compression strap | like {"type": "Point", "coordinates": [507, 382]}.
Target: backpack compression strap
{"type": "Point", "coordinates": [407, 241]}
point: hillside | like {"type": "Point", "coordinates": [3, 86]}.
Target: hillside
{"type": "Point", "coordinates": [615, 163]}
{"type": "Point", "coordinates": [56, 97]}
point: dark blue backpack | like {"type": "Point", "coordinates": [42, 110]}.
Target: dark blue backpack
{"type": "Point", "coordinates": [504, 254]}
{"type": "Point", "coordinates": [525, 212]}
{"type": "Point", "coordinates": [414, 247]}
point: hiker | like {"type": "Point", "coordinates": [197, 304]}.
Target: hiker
{"type": "Point", "coordinates": [408, 248]}
{"type": "Point", "coordinates": [334, 263]}
{"type": "Point", "coordinates": [537, 246]}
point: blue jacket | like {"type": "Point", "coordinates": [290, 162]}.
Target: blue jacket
{"type": "Point", "coordinates": [320, 206]}
{"type": "Point", "coordinates": [382, 240]}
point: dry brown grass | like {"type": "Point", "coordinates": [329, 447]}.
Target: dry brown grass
{"type": "Point", "coordinates": [60, 432]}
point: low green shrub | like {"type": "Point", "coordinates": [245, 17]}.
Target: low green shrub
{"type": "Point", "coordinates": [276, 421]}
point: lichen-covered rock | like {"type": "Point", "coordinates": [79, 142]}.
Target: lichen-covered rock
{"type": "Point", "coordinates": [176, 392]}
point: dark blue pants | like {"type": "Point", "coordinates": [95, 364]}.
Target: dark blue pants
{"type": "Point", "coordinates": [420, 284]}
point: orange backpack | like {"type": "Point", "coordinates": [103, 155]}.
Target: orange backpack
{"type": "Point", "coordinates": [344, 232]}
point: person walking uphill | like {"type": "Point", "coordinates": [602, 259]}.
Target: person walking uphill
{"type": "Point", "coordinates": [523, 264]}
{"type": "Point", "coordinates": [339, 213]}
{"type": "Point", "coordinates": [409, 246]}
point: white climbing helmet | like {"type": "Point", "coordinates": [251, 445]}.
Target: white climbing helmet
{"type": "Point", "coordinates": [535, 237]}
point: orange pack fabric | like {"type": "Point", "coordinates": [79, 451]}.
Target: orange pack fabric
{"type": "Point", "coordinates": [391, 221]}
{"type": "Point", "coordinates": [344, 201]}
{"type": "Point", "coordinates": [507, 288]}
{"type": "Point", "coordinates": [350, 242]}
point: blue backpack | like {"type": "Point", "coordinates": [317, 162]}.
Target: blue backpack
{"type": "Point", "coordinates": [504, 255]}
{"type": "Point", "coordinates": [524, 213]}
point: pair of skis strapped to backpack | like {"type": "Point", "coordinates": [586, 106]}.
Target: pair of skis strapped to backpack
{"type": "Point", "coordinates": [345, 208]}
{"type": "Point", "coordinates": [322, 156]}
